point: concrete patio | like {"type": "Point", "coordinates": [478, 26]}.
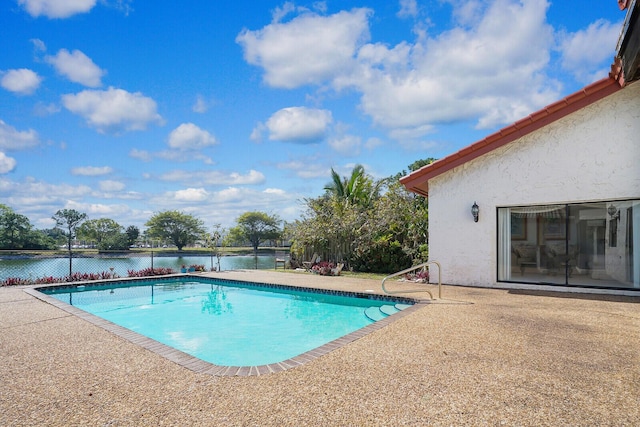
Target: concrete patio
{"type": "Point", "coordinates": [475, 357]}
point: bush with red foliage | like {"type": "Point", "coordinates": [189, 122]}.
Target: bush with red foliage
{"type": "Point", "coordinates": [150, 272]}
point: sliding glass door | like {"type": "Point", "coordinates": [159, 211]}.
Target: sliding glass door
{"type": "Point", "coordinates": [581, 244]}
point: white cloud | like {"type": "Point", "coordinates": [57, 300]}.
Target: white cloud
{"type": "Point", "coordinates": [33, 193]}
{"type": "Point", "coordinates": [418, 145]}
{"type": "Point", "coordinates": [42, 110]}
{"type": "Point", "coordinates": [411, 133]}
{"type": "Point", "coordinates": [276, 191]}
{"type": "Point", "coordinates": [170, 155]}
{"type": "Point", "coordinates": [584, 51]}
{"type": "Point", "coordinates": [201, 105]}
{"type": "Point", "coordinates": [299, 124]}
{"type": "Point", "coordinates": [92, 170]}
{"type": "Point", "coordinates": [230, 203]}
{"type": "Point", "coordinates": [373, 143]}
{"type": "Point", "coordinates": [182, 156]}
{"type": "Point", "coordinates": [347, 145]}
{"type": "Point", "coordinates": [191, 195]}
{"type": "Point", "coordinates": [243, 199]}
{"type": "Point", "coordinates": [77, 67]}
{"type": "Point", "coordinates": [308, 49]}
{"type": "Point", "coordinates": [113, 109]}
{"type": "Point", "coordinates": [38, 200]}
{"type": "Point", "coordinates": [111, 185]}
{"type": "Point", "coordinates": [56, 8]}
{"type": "Point", "coordinates": [467, 12]}
{"type": "Point", "coordinates": [188, 136]}
{"type": "Point", "coordinates": [185, 142]}
{"type": "Point", "coordinates": [469, 72]}
{"type": "Point", "coordinates": [38, 45]}
{"type": "Point", "coordinates": [12, 139]}
{"type": "Point", "coordinates": [214, 177]}
{"type": "Point", "coordinates": [280, 12]}
{"type": "Point", "coordinates": [100, 210]}
{"type": "Point", "coordinates": [7, 164]}
{"type": "Point", "coordinates": [307, 169]}
{"type": "Point", "coordinates": [256, 133]}
{"type": "Point", "coordinates": [21, 81]}
{"type": "Point", "coordinates": [230, 195]}
{"type": "Point", "coordinates": [408, 8]}
{"type": "Point", "coordinates": [497, 79]}
{"type": "Point", "coordinates": [143, 155]}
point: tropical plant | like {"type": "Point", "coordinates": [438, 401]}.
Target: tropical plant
{"type": "Point", "coordinates": [357, 189]}
{"type": "Point", "coordinates": [373, 226]}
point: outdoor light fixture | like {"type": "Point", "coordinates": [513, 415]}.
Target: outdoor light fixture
{"type": "Point", "coordinates": [613, 212]}
{"type": "Point", "coordinates": [475, 210]}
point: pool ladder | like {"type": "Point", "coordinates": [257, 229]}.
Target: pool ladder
{"type": "Point", "coordinates": [414, 268]}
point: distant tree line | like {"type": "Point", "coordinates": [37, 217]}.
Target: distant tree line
{"type": "Point", "coordinates": [170, 227]}
{"type": "Point", "coordinates": [369, 225]}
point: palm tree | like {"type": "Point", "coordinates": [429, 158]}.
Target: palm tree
{"type": "Point", "coordinates": [358, 189]}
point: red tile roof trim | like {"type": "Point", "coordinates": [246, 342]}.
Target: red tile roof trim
{"type": "Point", "coordinates": [418, 181]}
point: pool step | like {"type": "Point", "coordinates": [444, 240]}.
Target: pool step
{"type": "Point", "coordinates": [388, 309]}
{"type": "Point", "coordinates": [374, 313]}
{"type": "Point", "coordinates": [378, 313]}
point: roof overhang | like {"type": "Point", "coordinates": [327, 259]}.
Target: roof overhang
{"type": "Point", "coordinates": [626, 67]}
{"type": "Point", "coordinates": [418, 181]}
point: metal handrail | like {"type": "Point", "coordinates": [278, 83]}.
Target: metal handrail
{"type": "Point", "coordinates": [410, 269]}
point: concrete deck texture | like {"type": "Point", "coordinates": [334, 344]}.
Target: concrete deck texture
{"type": "Point", "coordinates": [475, 357]}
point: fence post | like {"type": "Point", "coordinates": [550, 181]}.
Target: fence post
{"type": "Point", "coordinates": [152, 261]}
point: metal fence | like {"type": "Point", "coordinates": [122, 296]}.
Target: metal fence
{"type": "Point", "coordinates": [36, 267]}
{"type": "Point", "coordinates": [33, 267]}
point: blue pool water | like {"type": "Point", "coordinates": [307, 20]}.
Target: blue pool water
{"type": "Point", "coordinates": [226, 323]}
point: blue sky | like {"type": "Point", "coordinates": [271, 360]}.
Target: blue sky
{"type": "Point", "coordinates": [125, 108]}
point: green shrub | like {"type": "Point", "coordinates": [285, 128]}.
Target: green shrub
{"type": "Point", "coordinates": [383, 256]}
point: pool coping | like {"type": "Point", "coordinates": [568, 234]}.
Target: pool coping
{"type": "Point", "coordinates": [200, 366]}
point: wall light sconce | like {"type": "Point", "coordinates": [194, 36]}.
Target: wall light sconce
{"type": "Point", "coordinates": [613, 212]}
{"type": "Point", "coordinates": [475, 210]}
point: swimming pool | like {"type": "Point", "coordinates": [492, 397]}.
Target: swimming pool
{"type": "Point", "coordinates": [232, 323]}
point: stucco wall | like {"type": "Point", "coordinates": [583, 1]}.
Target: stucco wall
{"type": "Point", "coordinates": [590, 155]}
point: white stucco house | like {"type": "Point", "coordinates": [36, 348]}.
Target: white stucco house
{"type": "Point", "coordinates": [557, 193]}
